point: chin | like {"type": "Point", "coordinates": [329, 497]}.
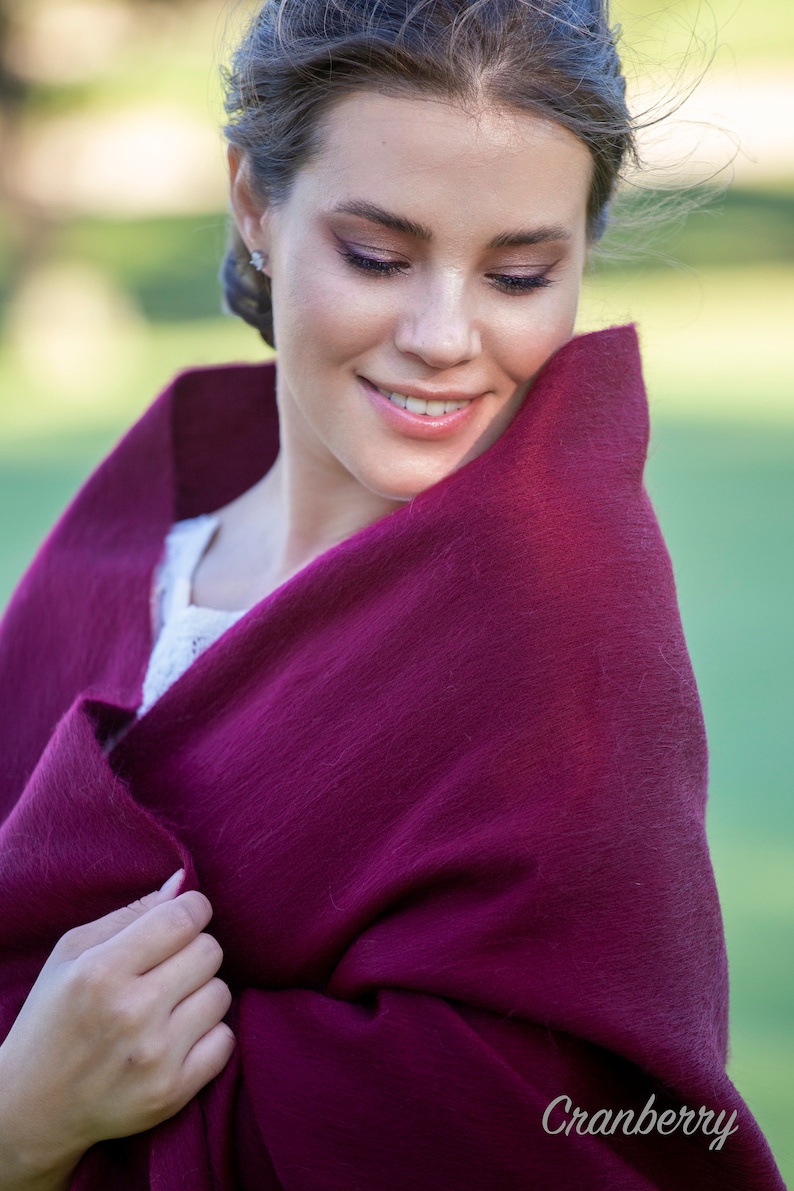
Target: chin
{"type": "Point", "coordinates": [404, 484]}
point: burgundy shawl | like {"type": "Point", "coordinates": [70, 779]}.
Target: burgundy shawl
{"type": "Point", "coordinates": [445, 789]}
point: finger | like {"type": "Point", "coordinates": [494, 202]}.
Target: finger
{"type": "Point", "coordinates": [207, 1058]}
{"type": "Point", "coordinates": [156, 936]}
{"type": "Point", "coordinates": [201, 1011]}
{"type": "Point", "coordinates": [91, 934]}
{"type": "Point", "coordinates": [198, 1014]}
{"type": "Point", "coordinates": [185, 972]}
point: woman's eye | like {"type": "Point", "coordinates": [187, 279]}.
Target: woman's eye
{"type": "Point", "coordinates": [513, 284]}
{"type": "Point", "coordinates": [371, 264]}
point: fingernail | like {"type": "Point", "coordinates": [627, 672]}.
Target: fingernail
{"type": "Point", "coordinates": [173, 882]}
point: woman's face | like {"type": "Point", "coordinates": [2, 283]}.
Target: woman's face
{"type": "Point", "coordinates": [422, 254]}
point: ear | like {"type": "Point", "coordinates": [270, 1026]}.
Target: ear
{"type": "Point", "coordinates": [251, 217]}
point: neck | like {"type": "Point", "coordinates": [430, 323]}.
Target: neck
{"type": "Point", "coordinates": [309, 501]}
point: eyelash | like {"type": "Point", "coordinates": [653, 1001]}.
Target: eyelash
{"type": "Point", "coordinates": [508, 283]}
{"type": "Point", "coordinates": [369, 264]}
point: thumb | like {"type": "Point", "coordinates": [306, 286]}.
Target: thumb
{"type": "Point", "coordinates": [91, 934]}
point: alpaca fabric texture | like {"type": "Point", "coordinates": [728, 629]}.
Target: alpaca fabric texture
{"type": "Point", "coordinates": [445, 790]}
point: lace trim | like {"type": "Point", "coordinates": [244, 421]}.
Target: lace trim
{"type": "Point", "coordinates": [184, 630]}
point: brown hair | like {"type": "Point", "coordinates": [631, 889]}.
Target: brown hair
{"type": "Point", "coordinates": [553, 58]}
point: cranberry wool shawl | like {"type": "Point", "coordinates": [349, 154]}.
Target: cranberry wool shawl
{"type": "Point", "coordinates": [444, 788]}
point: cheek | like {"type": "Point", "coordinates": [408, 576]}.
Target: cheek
{"type": "Point", "coordinates": [530, 330]}
{"type": "Point", "coordinates": [324, 317]}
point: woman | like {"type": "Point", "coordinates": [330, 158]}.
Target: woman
{"type": "Point", "coordinates": [418, 729]}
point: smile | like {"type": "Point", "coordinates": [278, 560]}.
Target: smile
{"type": "Point", "coordinates": [427, 419]}
{"type": "Point", "coordinates": [416, 405]}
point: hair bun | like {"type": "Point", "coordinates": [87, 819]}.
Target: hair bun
{"type": "Point", "coordinates": [246, 291]}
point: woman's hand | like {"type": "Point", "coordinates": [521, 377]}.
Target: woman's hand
{"type": "Point", "coordinates": [122, 1028]}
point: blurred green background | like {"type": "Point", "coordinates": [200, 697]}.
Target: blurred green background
{"type": "Point", "coordinates": [112, 229]}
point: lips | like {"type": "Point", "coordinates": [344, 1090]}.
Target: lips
{"type": "Point", "coordinates": [405, 396]}
{"type": "Point", "coordinates": [428, 407]}
{"type": "Point", "coordinates": [429, 426]}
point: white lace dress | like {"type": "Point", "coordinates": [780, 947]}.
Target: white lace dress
{"type": "Point", "coordinates": [185, 629]}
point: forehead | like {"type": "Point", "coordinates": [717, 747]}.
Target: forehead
{"type": "Point", "coordinates": [495, 162]}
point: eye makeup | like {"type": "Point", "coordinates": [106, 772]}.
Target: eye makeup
{"type": "Point", "coordinates": [508, 283]}
{"type": "Point", "coordinates": [513, 283]}
{"type": "Point", "coordinates": [371, 264]}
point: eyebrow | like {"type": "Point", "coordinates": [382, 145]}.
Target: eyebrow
{"type": "Point", "coordinates": [538, 235]}
{"type": "Point", "coordinates": [375, 214]}
{"type": "Point", "coordinates": [521, 238]}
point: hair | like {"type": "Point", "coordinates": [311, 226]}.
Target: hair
{"type": "Point", "coordinates": [556, 59]}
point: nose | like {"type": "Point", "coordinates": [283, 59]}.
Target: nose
{"type": "Point", "coordinates": [439, 325]}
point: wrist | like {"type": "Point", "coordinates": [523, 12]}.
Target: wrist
{"type": "Point", "coordinates": [25, 1167]}
{"type": "Point", "coordinates": [29, 1160]}
{"type": "Point", "coordinates": [22, 1172]}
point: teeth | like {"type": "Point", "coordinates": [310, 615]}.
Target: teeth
{"type": "Point", "coordinates": [416, 405]}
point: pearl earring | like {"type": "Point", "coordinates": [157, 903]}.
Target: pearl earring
{"type": "Point", "coordinates": [258, 260]}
